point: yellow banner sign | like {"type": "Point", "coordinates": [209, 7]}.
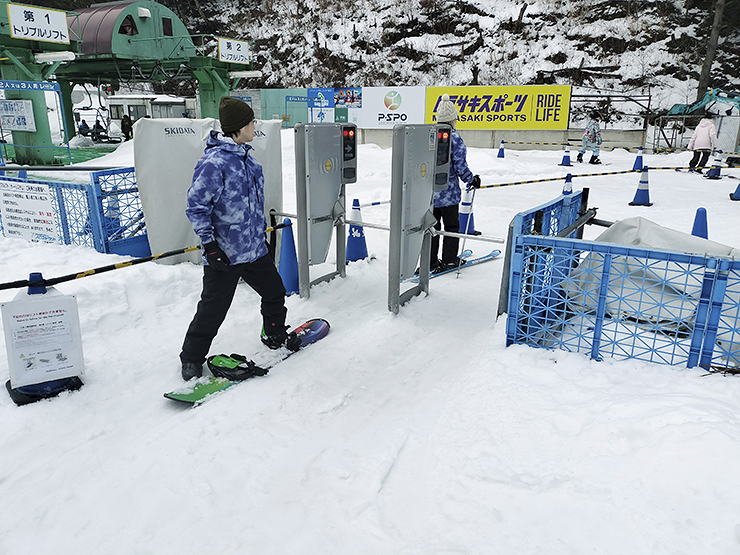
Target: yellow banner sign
{"type": "Point", "coordinates": [515, 107]}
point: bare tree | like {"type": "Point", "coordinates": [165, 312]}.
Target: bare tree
{"type": "Point", "coordinates": [703, 86]}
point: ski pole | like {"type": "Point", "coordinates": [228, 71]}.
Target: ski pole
{"type": "Point", "coordinates": [467, 228]}
{"type": "Point", "coordinates": [53, 281]}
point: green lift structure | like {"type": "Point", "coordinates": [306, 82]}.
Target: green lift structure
{"type": "Point", "coordinates": [106, 44]}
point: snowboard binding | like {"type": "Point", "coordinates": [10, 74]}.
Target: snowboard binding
{"type": "Point", "coordinates": [234, 367]}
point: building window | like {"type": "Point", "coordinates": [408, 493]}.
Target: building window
{"type": "Point", "coordinates": [128, 27]}
{"type": "Point", "coordinates": [116, 111]}
{"type": "Point", "coordinates": [167, 26]}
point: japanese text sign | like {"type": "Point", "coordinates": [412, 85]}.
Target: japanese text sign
{"type": "Point", "coordinates": [234, 51]}
{"type": "Point", "coordinates": [27, 211]}
{"type": "Point", "coordinates": [17, 115]}
{"type": "Point", "coordinates": [32, 23]}
{"type": "Point", "coordinates": [505, 107]}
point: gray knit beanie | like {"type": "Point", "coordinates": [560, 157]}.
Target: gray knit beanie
{"type": "Point", "coordinates": [234, 114]}
{"type": "Point", "coordinates": [446, 111]}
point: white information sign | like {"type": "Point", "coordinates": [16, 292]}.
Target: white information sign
{"type": "Point", "coordinates": [42, 337]}
{"type": "Point", "coordinates": [27, 211]}
{"type": "Point", "coordinates": [17, 115]}
{"type": "Point", "coordinates": [32, 23]}
{"type": "Point", "coordinates": [234, 51]}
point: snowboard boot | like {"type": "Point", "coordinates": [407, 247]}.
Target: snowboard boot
{"type": "Point", "coordinates": [281, 338]}
{"type": "Point", "coordinates": [580, 157]}
{"type": "Point", "coordinates": [594, 160]}
{"type": "Point", "coordinates": [191, 370]}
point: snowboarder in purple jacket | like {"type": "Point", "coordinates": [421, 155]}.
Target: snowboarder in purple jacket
{"type": "Point", "coordinates": [226, 208]}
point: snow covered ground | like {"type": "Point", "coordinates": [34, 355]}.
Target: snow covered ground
{"type": "Point", "coordinates": [411, 434]}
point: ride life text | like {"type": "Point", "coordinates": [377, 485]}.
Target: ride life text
{"type": "Point", "coordinates": [547, 107]}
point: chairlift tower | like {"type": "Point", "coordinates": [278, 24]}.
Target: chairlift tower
{"type": "Point", "coordinates": [33, 44]}
{"type": "Point", "coordinates": [107, 44]}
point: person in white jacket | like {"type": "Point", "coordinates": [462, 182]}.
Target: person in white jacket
{"type": "Point", "coordinates": [703, 142]}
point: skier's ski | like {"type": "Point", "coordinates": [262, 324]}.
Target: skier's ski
{"type": "Point", "coordinates": [468, 262]}
{"type": "Point", "coordinates": [237, 365]}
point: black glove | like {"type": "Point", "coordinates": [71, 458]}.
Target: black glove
{"type": "Point", "coordinates": [216, 258]}
{"type": "Point", "coordinates": [475, 184]}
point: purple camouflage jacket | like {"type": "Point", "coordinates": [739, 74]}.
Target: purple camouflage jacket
{"type": "Point", "coordinates": [458, 170]}
{"type": "Point", "coordinates": [226, 201]}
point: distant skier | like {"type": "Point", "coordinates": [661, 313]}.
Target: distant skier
{"type": "Point", "coordinates": [126, 126]}
{"type": "Point", "coordinates": [447, 202]}
{"type": "Point", "coordinates": [226, 206]}
{"type": "Point", "coordinates": [702, 142]}
{"type": "Point", "coordinates": [591, 139]}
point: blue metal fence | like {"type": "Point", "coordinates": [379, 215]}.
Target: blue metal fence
{"type": "Point", "coordinates": [623, 302]}
{"type": "Point", "coordinates": [122, 229]}
{"type": "Point", "coordinates": [105, 214]}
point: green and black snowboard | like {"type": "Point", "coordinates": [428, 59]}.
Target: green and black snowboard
{"type": "Point", "coordinates": [224, 367]}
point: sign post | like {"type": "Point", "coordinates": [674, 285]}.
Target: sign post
{"type": "Point", "coordinates": [43, 342]}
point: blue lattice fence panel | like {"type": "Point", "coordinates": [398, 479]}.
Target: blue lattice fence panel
{"type": "Point", "coordinates": [73, 203]}
{"type": "Point", "coordinates": [122, 215]}
{"type": "Point", "coordinates": [721, 348]}
{"type": "Point", "coordinates": [622, 302]}
{"type": "Point", "coordinates": [549, 218]}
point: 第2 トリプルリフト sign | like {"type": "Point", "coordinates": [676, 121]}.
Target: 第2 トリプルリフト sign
{"type": "Point", "coordinates": [515, 107]}
{"type": "Point", "coordinates": [234, 51]}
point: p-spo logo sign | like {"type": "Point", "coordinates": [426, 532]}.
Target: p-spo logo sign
{"type": "Point", "coordinates": [516, 107]}
{"type": "Point", "coordinates": [392, 101]}
{"type": "Point", "coordinates": [384, 107]}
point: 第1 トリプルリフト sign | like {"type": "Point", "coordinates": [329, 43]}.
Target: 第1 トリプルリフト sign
{"type": "Point", "coordinates": [504, 107]}
{"type": "Point", "coordinates": [41, 24]}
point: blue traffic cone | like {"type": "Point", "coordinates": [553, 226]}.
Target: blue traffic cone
{"type": "Point", "coordinates": [736, 194]}
{"type": "Point", "coordinates": [642, 196]}
{"type": "Point", "coordinates": [638, 165]}
{"type": "Point", "coordinates": [568, 187]}
{"type": "Point", "coordinates": [566, 156]}
{"type": "Point", "coordinates": [716, 169]}
{"type": "Point", "coordinates": [700, 224]}
{"type": "Point", "coordinates": [501, 150]}
{"type": "Point", "coordinates": [288, 267]}
{"type": "Point", "coordinates": [467, 223]}
{"type": "Point", "coordinates": [356, 246]}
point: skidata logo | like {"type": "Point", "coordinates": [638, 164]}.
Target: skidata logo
{"type": "Point", "coordinates": [177, 131]}
{"type": "Point", "coordinates": [392, 101]}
